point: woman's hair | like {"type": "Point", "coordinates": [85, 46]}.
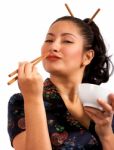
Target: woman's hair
{"type": "Point", "coordinates": [98, 71]}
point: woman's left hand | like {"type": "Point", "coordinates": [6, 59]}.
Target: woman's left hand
{"type": "Point", "coordinates": [102, 119]}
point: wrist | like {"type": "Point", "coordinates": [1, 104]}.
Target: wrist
{"type": "Point", "coordinates": [29, 100]}
{"type": "Point", "coordinates": [107, 138]}
{"type": "Point", "coordinates": [108, 142]}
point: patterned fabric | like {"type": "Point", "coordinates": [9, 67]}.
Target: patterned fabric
{"type": "Point", "coordinates": [65, 132]}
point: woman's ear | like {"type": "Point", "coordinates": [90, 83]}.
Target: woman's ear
{"type": "Point", "coordinates": [87, 57]}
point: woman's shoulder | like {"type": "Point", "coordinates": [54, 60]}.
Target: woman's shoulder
{"type": "Point", "coordinates": [16, 99]}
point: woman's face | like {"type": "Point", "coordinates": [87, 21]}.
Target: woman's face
{"type": "Point", "coordinates": [65, 46]}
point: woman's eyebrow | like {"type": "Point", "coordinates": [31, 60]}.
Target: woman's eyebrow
{"type": "Point", "coordinates": [50, 34]}
{"type": "Point", "coordinates": [65, 34]}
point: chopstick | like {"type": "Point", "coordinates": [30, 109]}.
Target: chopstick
{"type": "Point", "coordinates": [16, 71]}
{"type": "Point", "coordinates": [94, 15]}
{"type": "Point", "coordinates": [34, 62]}
{"type": "Point", "coordinates": [12, 80]}
{"type": "Point", "coordinates": [69, 10]}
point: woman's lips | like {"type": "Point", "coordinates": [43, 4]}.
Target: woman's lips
{"type": "Point", "coordinates": [53, 57]}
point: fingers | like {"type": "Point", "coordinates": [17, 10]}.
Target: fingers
{"type": "Point", "coordinates": [111, 96]}
{"type": "Point", "coordinates": [106, 112]}
{"type": "Point", "coordinates": [106, 107]}
{"type": "Point", "coordinates": [99, 117]}
{"type": "Point", "coordinates": [25, 69]}
{"type": "Point", "coordinates": [28, 69]}
{"type": "Point", "coordinates": [34, 69]}
{"type": "Point", "coordinates": [94, 113]}
{"type": "Point", "coordinates": [111, 100]}
{"type": "Point", "coordinates": [21, 69]}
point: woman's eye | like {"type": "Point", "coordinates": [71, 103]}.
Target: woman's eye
{"type": "Point", "coordinates": [49, 41]}
{"type": "Point", "coordinates": [67, 41]}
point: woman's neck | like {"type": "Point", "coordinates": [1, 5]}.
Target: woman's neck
{"type": "Point", "coordinates": [67, 89]}
{"type": "Point", "coordinates": [66, 85]}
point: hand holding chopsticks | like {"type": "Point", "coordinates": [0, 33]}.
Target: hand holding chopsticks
{"type": "Point", "coordinates": [34, 62]}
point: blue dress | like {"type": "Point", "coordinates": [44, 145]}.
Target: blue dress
{"type": "Point", "coordinates": [65, 132]}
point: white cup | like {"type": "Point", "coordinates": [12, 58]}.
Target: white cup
{"type": "Point", "coordinates": [89, 93]}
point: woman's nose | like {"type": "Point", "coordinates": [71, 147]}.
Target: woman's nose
{"type": "Point", "coordinates": [54, 50]}
{"type": "Point", "coordinates": [55, 47]}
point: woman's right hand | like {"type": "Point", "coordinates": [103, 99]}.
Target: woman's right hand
{"type": "Point", "coordinates": [29, 80]}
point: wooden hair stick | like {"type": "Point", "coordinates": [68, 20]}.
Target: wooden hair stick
{"type": "Point", "coordinates": [69, 10]}
{"type": "Point", "coordinates": [91, 19]}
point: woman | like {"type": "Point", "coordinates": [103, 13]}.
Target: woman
{"type": "Point", "coordinates": [50, 115]}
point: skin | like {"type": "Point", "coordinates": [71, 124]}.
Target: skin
{"type": "Point", "coordinates": [65, 63]}
{"type": "Point", "coordinates": [103, 121]}
{"type": "Point", "coordinates": [68, 45]}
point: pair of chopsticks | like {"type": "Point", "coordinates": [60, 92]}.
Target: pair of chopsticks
{"type": "Point", "coordinates": [34, 62]}
{"type": "Point", "coordinates": [91, 19]}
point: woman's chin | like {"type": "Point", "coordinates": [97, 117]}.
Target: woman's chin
{"type": "Point", "coordinates": [53, 71]}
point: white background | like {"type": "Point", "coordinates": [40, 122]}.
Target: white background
{"type": "Point", "coordinates": [23, 25]}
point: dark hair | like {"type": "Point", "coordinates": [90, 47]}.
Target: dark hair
{"type": "Point", "coordinates": [98, 71]}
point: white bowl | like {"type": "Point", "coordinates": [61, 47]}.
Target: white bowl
{"type": "Point", "coordinates": [89, 93]}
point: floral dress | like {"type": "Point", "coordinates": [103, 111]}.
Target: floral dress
{"type": "Point", "coordinates": [65, 132]}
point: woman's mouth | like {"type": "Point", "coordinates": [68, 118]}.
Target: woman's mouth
{"type": "Point", "coordinates": [53, 57]}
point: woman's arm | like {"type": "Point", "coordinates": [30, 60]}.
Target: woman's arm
{"type": "Point", "coordinates": [37, 136]}
{"type": "Point", "coordinates": [103, 124]}
{"type": "Point", "coordinates": [108, 142]}
{"type": "Point", "coordinates": [31, 85]}
{"type": "Point", "coordinates": [36, 130]}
